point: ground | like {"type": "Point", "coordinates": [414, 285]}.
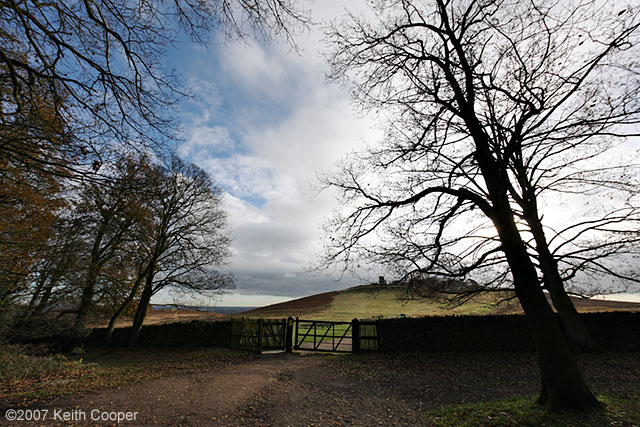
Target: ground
{"type": "Point", "coordinates": [307, 389]}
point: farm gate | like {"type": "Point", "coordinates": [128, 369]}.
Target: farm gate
{"type": "Point", "coordinates": [259, 334]}
{"type": "Point", "coordinates": [320, 335]}
{"type": "Point", "coordinates": [314, 335]}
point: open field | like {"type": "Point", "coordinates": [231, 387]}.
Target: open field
{"type": "Point", "coordinates": [371, 301]}
{"type": "Point", "coordinates": [160, 316]}
{"type": "Point", "coordinates": [218, 387]}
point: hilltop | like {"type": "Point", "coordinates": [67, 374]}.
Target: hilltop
{"type": "Point", "coordinates": [369, 301]}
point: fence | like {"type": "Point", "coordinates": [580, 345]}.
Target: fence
{"type": "Point", "coordinates": [616, 331]}
{"type": "Point", "coordinates": [255, 335]}
{"type": "Point", "coordinates": [259, 334]}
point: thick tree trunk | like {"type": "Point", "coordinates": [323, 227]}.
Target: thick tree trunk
{"type": "Point", "coordinates": [563, 386]}
{"type": "Point", "coordinates": [87, 297]}
{"type": "Point", "coordinates": [574, 329]}
{"type": "Point", "coordinates": [141, 311]}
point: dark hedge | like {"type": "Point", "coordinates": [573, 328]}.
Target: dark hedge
{"type": "Point", "coordinates": [619, 331]}
{"type": "Point", "coordinates": [197, 333]}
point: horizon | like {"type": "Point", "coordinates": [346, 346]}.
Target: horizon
{"type": "Point", "coordinates": [633, 297]}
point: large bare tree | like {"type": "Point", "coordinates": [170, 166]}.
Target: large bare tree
{"type": "Point", "coordinates": [494, 108]}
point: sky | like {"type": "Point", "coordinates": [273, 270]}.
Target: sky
{"type": "Point", "coordinates": [266, 123]}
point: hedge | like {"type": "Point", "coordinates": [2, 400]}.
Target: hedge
{"type": "Point", "coordinates": [197, 333]}
{"type": "Point", "coordinates": [615, 331]}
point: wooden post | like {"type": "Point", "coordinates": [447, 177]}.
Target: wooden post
{"type": "Point", "coordinates": [289, 335]}
{"type": "Point", "coordinates": [259, 335]}
{"type": "Point", "coordinates": [295, 337]}
{"type": "Point", "coordinates": [355, 336]}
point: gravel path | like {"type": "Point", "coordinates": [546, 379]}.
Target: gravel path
{"type": "Point", "coordinates": [365, 390]}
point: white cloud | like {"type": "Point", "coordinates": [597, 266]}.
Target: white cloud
{"type": "Point", "coordinates": [266, 125]}
{"type": "Point", "coordinates": [204, 140]}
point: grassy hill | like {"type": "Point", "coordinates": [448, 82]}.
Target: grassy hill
{"type": "Point", "coordinates": [370, 301]}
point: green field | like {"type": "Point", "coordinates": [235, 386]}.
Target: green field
{"type": "Point", "coordinates": [371, 302]}
{"type": "Point", "coordinates": [307, 332]}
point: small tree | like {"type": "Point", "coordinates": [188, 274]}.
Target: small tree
{"type": "Point", "coordinates": [188, 237]}
{"type": "Point", "coordinates": [492, 106]}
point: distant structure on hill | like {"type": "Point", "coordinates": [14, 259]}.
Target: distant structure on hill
{"type": "Point", "coordinates": [429, 285]}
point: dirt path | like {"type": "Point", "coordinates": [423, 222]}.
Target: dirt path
{"type": "Point", "coordinates": [210, 398]}
{"type": "Point", "coordinates": [365, 390]}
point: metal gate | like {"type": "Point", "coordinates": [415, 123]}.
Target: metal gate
{"type": "Point", "coordinates": [259, 334]}
{"type": "Point", "coordinates": [320, 335]}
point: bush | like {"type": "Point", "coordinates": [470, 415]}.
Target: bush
{"type": "Point", "coordinates": [59, 335]}
{"type": "Point", "coordinates": [16, 363]}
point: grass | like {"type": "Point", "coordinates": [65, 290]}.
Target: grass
{"type": "Point", "coordinates": [320, 330]}
{"type": "Point", "coordinates": [370, 301]}
{"type": "Point", "coordinates": [367, 302]}
{"type": "Point", "coordinates": [619, 410]}
{"type": "Point", "coordinates": [26, 379]}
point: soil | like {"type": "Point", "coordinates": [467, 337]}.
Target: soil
{"type": "Point", "coordinates": [370, 389]}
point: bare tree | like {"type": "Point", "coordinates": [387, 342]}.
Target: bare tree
{"type": "Point", "coordinates": [100, 64]}
{"type": "Point", "coordinates": [493, 108]}
{"type": "Point", "coordinates": [108, 213]}
{"type": "Point", "coordinates": [188, 238]}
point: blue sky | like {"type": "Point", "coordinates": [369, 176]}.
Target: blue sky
{"type": "Point", "coordinates": [265, 124]}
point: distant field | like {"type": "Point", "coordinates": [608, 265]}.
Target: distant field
{"type": "Point", "coordinates": [370, 301]}
{"type": "Point", "coordinates": [161, 316]}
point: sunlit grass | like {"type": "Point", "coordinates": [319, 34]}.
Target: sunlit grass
{"type": "Point", "coordinates": [618, 410]}
{"type": "Point", "coordinates": [363, 303]}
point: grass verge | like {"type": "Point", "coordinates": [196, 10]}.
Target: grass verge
{"type": "Point", "coordinates": [27, 379]}
{"type": "Point", "coordinates": [619, 410]}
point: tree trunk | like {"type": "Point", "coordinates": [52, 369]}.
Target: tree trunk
{"type": "Point", "coordinates": [123, 307]}
{"type": "Point", "coordinates": [574, 329]}
{"type": "Point", "coordinates": [141, 311]}
{"type": "Point", "coordinates": [44, 300]}
{"type": "Point", "coordinates": [95, 265]}
{"type": "Point", "coordinates": [87, 297]}
{"type": "Point", "coordinates": [563, 386]}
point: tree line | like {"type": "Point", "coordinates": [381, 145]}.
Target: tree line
{"type": "Point", "coordinates": [96, 210]}
{"type": "Point", "coordinates": [106, 247]}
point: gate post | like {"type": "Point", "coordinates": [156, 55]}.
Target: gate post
{"type": "Point", "coordinates": [295, 337]}
{"type": "Point", "coordinates": [355, 336]}
{"type": "Point", "coordinates": [289, 335]}
{"type": "Point", "coordinates": [259, 335]}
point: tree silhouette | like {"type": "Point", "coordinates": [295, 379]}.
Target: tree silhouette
{"type": "Point", "coordinates": [492, 108]}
